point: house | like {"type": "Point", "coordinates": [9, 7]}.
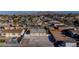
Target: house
{"type": "Point", "coordinates": [12, 32]}
{"type": "Point", "coordinates": [67, 27]}
{"type": "Point", "coordinates": [37, 32]}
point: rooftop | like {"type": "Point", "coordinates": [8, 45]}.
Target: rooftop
{"type": "Point", "coordinates": [12, 30]}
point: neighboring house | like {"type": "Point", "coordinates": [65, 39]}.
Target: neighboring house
{"type": "Point", "coordinates": [59, 25]}
{"type": "Point", "coordinates": [54, 22]}
{"type": "Point", "coordinates": [67, 27]}
{"type": "Point", "coordinates": [12, 32]}
{"type": "Point", "coordinates": [38, 32]}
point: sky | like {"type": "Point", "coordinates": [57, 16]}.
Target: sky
{"type": "Point", "coordinates": [31, 12]}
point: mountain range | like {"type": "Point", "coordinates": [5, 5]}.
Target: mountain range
{"type": "Point", "coordinates": [36, 12]}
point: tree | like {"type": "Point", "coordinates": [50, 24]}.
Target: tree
{"type": "Point", "coordinates": [76, 23]}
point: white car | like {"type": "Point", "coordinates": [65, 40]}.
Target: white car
{"type": "Point", "coordinates": [13, 40]}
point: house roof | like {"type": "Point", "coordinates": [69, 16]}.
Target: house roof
{"type": "Point", "coordinates": [37, 31]}
{"type": "Point", "coordinates": [2, 37]}
{"type": "Point", "coordinates": [12, 30]}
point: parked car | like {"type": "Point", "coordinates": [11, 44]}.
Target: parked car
{"type": "Point", "coordinates": [59, 44]}
{"type": "Point", "coordinates": [71, 34]}
{"type": "Point", "coordinates": [51, 38]}
{"type": "Point", "coordinates": [13, 40]}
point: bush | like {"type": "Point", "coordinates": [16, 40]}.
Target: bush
{"type": "Point", "coordinates": [2, 41]}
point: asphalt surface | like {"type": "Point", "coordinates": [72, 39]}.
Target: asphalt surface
{"type": "Point", "coordinates": [36, 41]}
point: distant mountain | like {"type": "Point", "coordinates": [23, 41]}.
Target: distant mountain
{"type": "Point", "coordinates": [24, 12]}
{"type": "Point", "coordinates": [37, 12]}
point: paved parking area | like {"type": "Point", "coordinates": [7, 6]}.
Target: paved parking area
{"type": "Point", "coordinates": [36, 41]}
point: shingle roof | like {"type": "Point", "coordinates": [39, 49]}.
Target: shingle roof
{"type": "Point", "coordinates": [12, 31]}
{"type": "Point", "coordinates": [38, 31]}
